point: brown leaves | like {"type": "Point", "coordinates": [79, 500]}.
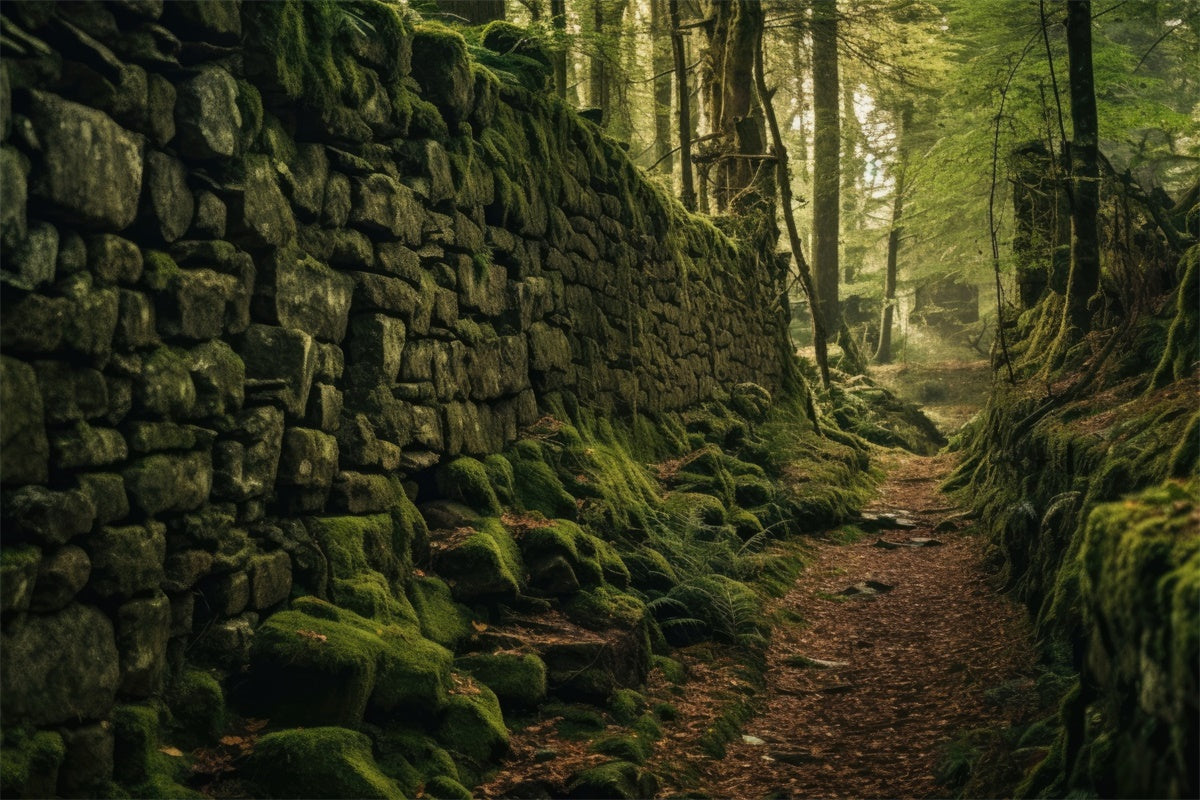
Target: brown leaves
{"type": "Point", "coordinates": [520, 524]}
{"type": "Point", "coordinates": [312, 635]}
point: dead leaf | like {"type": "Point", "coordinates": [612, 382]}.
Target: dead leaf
{"type": "Point", "coordinates": [174, 752]}
{"type": "Point", "coordinates": [479, 626]}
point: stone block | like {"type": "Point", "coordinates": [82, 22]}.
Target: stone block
{"type": "Point", "coordinates": [34, 259]}
{"type": "Point", "coordinates": [143, 628]}
{"type": "Point", "coordinates": [270, 579]}
{"type": "Point", "coordinates": [88, 761]}
{"type": "Point", "coordinates": [70, 392]}
{"type": "Point", "coordinates": [154, 437]}
{"type": "Point", "coordinates": [74, 680]}
{"type": "Point", "coordinates": [304, 182]}
{"type": "Point", "coordinates": [127, 560]}
{"type": "Point", "coordinates": [136, 326]}
{"type": "Point", "coordinates": [13, 190]}
{"type": "Point", "coordinates": [34, 324]}
{"type": "Point", "coordinates": [50, 517]}
{"type": "Point", "coordinates": [398, 260]}
{"type": "Point", "coordinates": [284, 356]}
{"type": "Point", "coordinates": [210, 218]}
{"type": "Point", "coordinates": [60, 577]}
{"type": "Point", "coordinates": [106, 490]}
{"type": "Point", "coordinates": [376, 343]}
{"type": "Point", "coordinates": [219, 377]}
{"type": "Point", "coordinates": [247, 467]}
{"type": "Point", "coordinates": [309, 459]}
{"type": "Point", "coordinates": [395, 296]}
{"type": "Point", "coordinates": [113, 259]}
{"type": "Point", "coordinates": [331, 363]}
{"type": "Point", "coordinates": [325, 406]}
{"type": "Point", "coordinates": [91, 169]}
{"type": "Point", "coordinates": [167, 203]}
{"type": "Point", "coordinates": [91, 318]}
{"type": "Point", "coordinates": [207, 118]}
{"type": "Point", "coordinates": [163, 483]}
{"type": "Point", "coordinates": [335, 212]}
{"type": "Point", "coordinates": [380, 204]}
{"type": "Point", "coordinates": [184, 568]}
{"type": "Point", "coordinates": [359, 493]}
{"type": "Point", "coordinates": [549, 348]}
{"type": "Point", "coordinates": [163, 387]}
{"type": "Point", "coordinates": [261, 216]}
{"type": "Point", "coordinates": [85, 446]}
{"type": "Point", "coordinates": [311, 297]}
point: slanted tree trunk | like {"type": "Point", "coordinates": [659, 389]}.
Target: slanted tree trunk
{"type": "Point", "coordinates": [1084, 277]}
{"type": "Point", "coordinates": [477, 12]}
{"type": "Point", "coordinates": [687, 190]}
{"type": "Point", "coordinates": [826, 152]}
{"type": "Point", "coordinates": [883, 354]}
{"type": "Point", "coordinates": [783, 179]}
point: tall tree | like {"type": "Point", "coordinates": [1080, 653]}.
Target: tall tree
{"type": "Point", "coordinates": [558, 18]}
{"type": "Point", "coordinates": [883, 354]}
{"type": "Point", "coordinates": [661, 67]}
{"type": "Point", "coordinates": [783, 180]}
{"type": "Point", "coordinates": [683, 104]}
{"type": "Point", "coordinates": [1084, 278]}
{"type": "Point", "coordinates": [826, 152]}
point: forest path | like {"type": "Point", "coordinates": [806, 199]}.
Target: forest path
{"type": "Point", "coordinates": [863, 696]}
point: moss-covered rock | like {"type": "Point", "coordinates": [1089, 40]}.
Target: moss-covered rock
{"type": "Point", "coordinates": [442, 620]}
{"type": "Point", "coordinates": [319, 762]}
{"type": "Point", "coordinates": [197, 704]}
{"type": "Point", "coordinates": [29, 764]}
{"type": "Point", "coordinates": [482, 562]}
{"type": "Point", "coordinates": [472, 728]}
{"type": "Point", "coordinates": [369, 556]}
{"type": "Point", "coordinates": [536, 487]}
{"type": "Point", "coordinates": [518, 679]}
{"type": "Point", "coordinates": [320, 663]}
{"type": "Point", "coordinates": [465, 480]}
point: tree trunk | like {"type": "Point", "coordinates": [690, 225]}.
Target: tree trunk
{"type": "Point", "coordinates": [478, 12]}
{"type": "Point", "coordinates": [558, 16]}
{"type": "Point", "coordinates": [687, 190]}
{"type": "Point", "coordinates": [826, 151]}
{"type": "Point", "coordinates": [733, 33]}
{"type": "Point", "coordinates": [783, 180]}
{"type": "Point", "coordinates": [597, 66]}
{"type": "Point", "coordinates": [851, 173]}
{"type": "Point", "coordinates": [661, 66]}
{"type": "Point", "coordinates": [1084, 278]}
{"type": "Point", "coordinates": [883, 354]}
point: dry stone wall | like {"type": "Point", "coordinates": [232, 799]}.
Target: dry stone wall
{"type": "Point", "coordinates": [234, 304]}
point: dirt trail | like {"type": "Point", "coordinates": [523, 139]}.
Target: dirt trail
{"type": "Point", "coordinates": [914, 661]}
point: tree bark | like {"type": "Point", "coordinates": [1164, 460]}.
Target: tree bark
{"type": "Point", "coordinates": [661, 66]}
{"type": "Point", "coordinates": [734, 31]}
{"type": "Point", "coordinates": [1084, 278]}
{"type": "Point", "coordinates": [783, 179]}
{"type": "Point", "coordinates": [478, 12]}
{"type": "Point", "coordinates": [883, 355]}
{"type": "Point", "coordinates": [851, 174]}
{"type": "Point", "coordinates": [826, 152]}
{"type": "Point", "coordinates": [687, 190]}
{"type": "Point", "coordinates": [558, 18]}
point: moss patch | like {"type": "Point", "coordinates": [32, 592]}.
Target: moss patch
{"type": "Point", "coordinates": [319, 762]}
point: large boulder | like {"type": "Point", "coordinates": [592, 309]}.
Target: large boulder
{"type": "Point", "coordinates": [207, 119]}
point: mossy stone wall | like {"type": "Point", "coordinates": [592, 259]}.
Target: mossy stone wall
{"type": "Point", "coordinates": [262, 264]}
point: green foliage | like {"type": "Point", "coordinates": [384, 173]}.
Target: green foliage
{"type": "Point", "coordinates": [518, 679]}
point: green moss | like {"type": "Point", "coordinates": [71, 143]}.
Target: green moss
{"type": "Point", "coordinates": [616, 779]}
{"type": "Point", "coordinates": [319, 662]}
{"type": "Point", "coordinates": [703, 508]}
{"type": "Point", "coordinates": [486, 564]}
{"type": "Point", "coordinates": [445, 788]}
{"type": "Point", "coordinates": [626, 705]}
{"type": "Point", "coordinates": [466, 481]}
{"type": "Point", "coordinates": [575, 721]}
{"type": "Point", "coordinates": [442, 620]}
{"type": "Point", "coordinates": [411, 757]}
{"type": "Point", "coordinates": [536, 486]}
{"type": "Point", "coordinates": [500, 475]}
{"type": "Point", "coordinates": [626, 747]}
{"type": "Point", "coordinates": [159, 270]}
{"type": "Point", "coordinates": [604, 607]}
{"type": "Point", "coordinates": [197, 704]}
{"type": "Point", "coordinates": [472, 729]}
{"type": "Point", "coordinates": [518, 679]}
{"type": "Point", "coordinates": [667, 712]}
{"type": "Point", "coordinates": [29, 765]}
{"type": "Point", "coordinates": [650, 570]}
{"type": "Point", "coordinates": [318, 762]}
{"type": "Point", "coordinates": [368, 556]}
{"type": "Point", "coordinates": [674, 671]}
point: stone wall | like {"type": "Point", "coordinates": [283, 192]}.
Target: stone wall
{"type": "Point", "coordinates": [256, 273]}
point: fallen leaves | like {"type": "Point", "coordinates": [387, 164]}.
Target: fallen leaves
{"type": "Point", "coordinates": [313, 635]}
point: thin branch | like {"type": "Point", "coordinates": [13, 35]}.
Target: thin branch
{"type": "Point", "coordinates": [1157, 42]}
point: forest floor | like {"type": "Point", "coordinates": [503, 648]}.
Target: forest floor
{"type": "Point", "coordinates": [903, 648]}
{"type": "Point", "coordinates": [890, 646]}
